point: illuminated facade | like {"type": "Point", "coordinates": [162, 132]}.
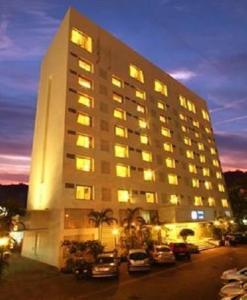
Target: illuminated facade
{"type": "Point", "coordinates": [114, 131]}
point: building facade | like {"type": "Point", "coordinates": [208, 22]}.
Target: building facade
{"type": "Point", "coordinates": [114, 131]}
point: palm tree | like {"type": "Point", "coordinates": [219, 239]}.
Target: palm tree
{"type": "Point", "coordinates": [98, 218]}
{"type": "Point", "coordinates": [155, 220]}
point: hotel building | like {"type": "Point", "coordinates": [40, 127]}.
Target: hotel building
{"type": "Point", "coordinates": [114, 131]}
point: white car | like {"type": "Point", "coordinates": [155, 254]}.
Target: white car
{"type": "Point", "coordinates": [138, 260]}
{"type": "Point", "coordinates": [162, 255]}
{"type": "Point", "coordinates": [242, 297]}
{"type": "Point", "coordinates": [233, 289]}
{"type": "Point", "coordinates": [235, 275]}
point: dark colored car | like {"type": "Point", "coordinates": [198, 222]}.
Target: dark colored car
{"type": "Point", "coordinates": [180, 250]}
{"type": "Point", "coordinates": [82, 269]}
{"type": "Point", "coordinates": [193, 248]}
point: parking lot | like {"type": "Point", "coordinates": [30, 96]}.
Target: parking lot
{"type": "Point", "coordinates": [198, 279]}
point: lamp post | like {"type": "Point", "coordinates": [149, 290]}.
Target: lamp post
{"type": "Point", "coordinates": [115, 232]}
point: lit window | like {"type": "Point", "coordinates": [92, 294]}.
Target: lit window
{"type": "Point", "coordinates": [174, 199]}
{"type": "Point", "coordinates": [136, 73]}
{"type": "Point", "coordinates": [116, 81]}
{"type": "Point", "coordinates": [84, 192]}
{"type": "Point", "coordinates": [221, 187]}
{"type": "Point", "coordinates": [161, 105]}
{"type": "Point", "coordinates": [123, 195]}
{"type": "Point", "coordinates": [81, 39]}
{"type": "Point", "coordinates": [198, 201]}
{"type": "Point", "coordinates": [121, 131]}
{"type": "Point", "coordinates": [182, 117]}
{"type": "Point", "coordinates": [162, 119]}
{"type": "Point", "coordinates": [117, 98]}
{"type": "Point", "coordinates": [183, 128]}
{"type": "Point", "coordinates": [191, 106]}
{"type": "Point", "coordinates": [170, 162]}
{"type": "Point", "coordinates": [192, 168]}
{"type": "Point", "coordinates": [160, 87]}
{"type": "Point", "coordinates": [85, 83]}
{"type": "Point", "coordinates": [197, 135]}
{"type": "Point", "coordinates": [121, 151]}
{"type": "Point", "coordinates": [218, 175]}
{"type": "Point", "coordinates": [142, 123]}
{"type": "Point", "coordinates": [216, 163]}
{"type": "Point", "coordinates": [211, 201]}
{"type": "Point", "coordinates": [208, 185]}
{"type": "Point", "coordinates": [84, 119]}
{"type": "Point", "coordinates": [207, 130]}
{"type": "Point", "coordinates": [148, 175]}
{"type": "Point", "coordinates": [168, 147]}
{"type": "Point", "coordinates": [224, 203]}
{"type": "Point", "coordinates": [84, 164]}
{"type": "Point", "coordinates": [189, 154]}
{"type": "Point", "coordinates": [85, 65]}
{"type": "Point", "coordinates": [165, 132]}
{"type": "Point", "coordinates": [187, 141]}
{"type": "Point", "coordinates": [205, 115]}
{"type": "Point", "coordinates": [146, 156]}
{"type": "Point", "coordinates": [140, 108]}
{"type": "Point", "coordinates": [205, 172]}
{"type": "Point", "coordinates": [195, 183]}
{"type": "Point", "coordinates": [85, 100]}
{"type": "Point", "coordinates": [150, 197]}
{"type": "Point", "coordinates": [144, 139]}
{"type": "Point", "coordinates": [172, 179]}
{"type": "Point", "coordinates": [196, 124]}
{"type": "Point", "coordinates": [84, 141]}
{"type": "Point", "coordinates": [122, 170]}
{"type": "Point", "coordinates": [119, 114]}
{"type": "Point", "coordinates": [182, 101]}
{"type": "Point", "coordinates": [200, 146]}
{"type": "Point", "coordinates": [212, 151]}
{"type": "Point", "coordinates": [202, 158]}
{"type": "Point", "coordinates": [140, 94]}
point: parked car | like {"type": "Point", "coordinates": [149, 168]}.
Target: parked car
{"type": "Point", "coordinates": [138, 260]}
{"type": "Point", "coordinates": [233, 289]}
{"type": "Point", "coordinates": [162, 254]}
{"type": "Point", "coordinates": [180, 250]}
{"type": "Point", "coordinates": [240, 297]}
{"type": "Point", "coordinates": [106, 265]}
{"type": "Point", "coordinates": [82, 269]}
{"type": "Point", "coordinates": [193, 248]}
{"type": "Point", "coordinates": [234, 275]}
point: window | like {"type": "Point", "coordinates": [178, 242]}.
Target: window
{"type": "Point", "coordinates": [189, 154]}
{"type": "Point", "coordinates": [84, 164]}
{"type": "Point", "coordinates": [218, 175]}
{"type": "Point", "coordinates": [202, 158]}
{"type": "Point", "coordinates": [195, 183]}
{"type": "Point", "coordinates": [211, 201]}
{"type": "Point", "coordinates": [182, 101]}
{"type": "Point", "coordinates": [216, 163]}
{"type": "Point", "coordinates": [172, 179]}
{"type": "Point", "coordinates": [160, 87]}
{"type": "Point", "coordinates": [85, 83]}
{"type": "Point", "coordinates": [174, 199]}
{"type": "Point", "coordinates": [147, 156]}
{"type": "Point", "coordinates": [140, 94]}
{"type": "Point", "coordinates": [84, 141]}
{"type": "Point", "coordinates": [197, 135]}
{"type": "Point", "coordinates": [183, 128]}
{"type": "Point", "coordinates": [122, 170]}
{"type": "Point", "coordinates": [205, 172]}
{"type": "Point", "coordinates": [192, 168]}
{"type": "Point", "coordinates": [208, 185]}
{"type": "Point", "coordinates": [84, 192]}
{"type": "Point", "coordinates": [148, 175]}
{"type": "Point", "coordinates": [116, 81]}
{"type": "Point", "coordinates": [207, 130]}
{"type": "Point", "coordinates": [212, 151]}
{"type": "Point", "coordinates": [85, 100]}
{"type": "Point", "coordinates": [136, 73]}
{"type": "Point", "coordinates": [182, 117]}
{"type": "Point", "coordinates": [119, 114]}
{"type": "Point", "coordinates": [142, 123]}
{"type": "Point", "coordinates": [81, 39]}
{"type": "Point", "coordinates": [140, 108]}
{"type": "Point", "coordinates": [205, 115]}
{"type": "Point", "coordinates": [121, 151]}
{"type": "Point", "coordinates": [85, 65]}
{"type": "Point", "coordinates": [123, 195]}
{"type": "Point", "coordinates": [221, 187]}
{"type": "Point", "coordinates": [121, 131]}
{"type": "Point", "coordinates": [150, 197]}
{"type": "Point", "coordinates": [165, 132]}
{"type": "Point", "coordinates": [84, 119]}
{"type": "Point", "coordinates": [187, 141]}
{"type": "Point", "coordinates": [198, 201]}
{"type": "Point", "coordinates": [161, 105]}
{"type": "Point", "coordinates": [144, 139]}
{"type": "Point", "coordinates": [170, 162]}
{"type": "Point", "coordinates": [168, 147]}
{"type": "Point", "coordinates": [200, 146]}
{"type": "Point", "coordinates": [162, 119]}
{"type": "Point", "coordinates": [191, 106]}
{"type": "Point", "coordinates": [117, 98]}
{"type": "Point", "coordinates": [196, 124]}
{"type": "Point", "coordinates": [224, 203]}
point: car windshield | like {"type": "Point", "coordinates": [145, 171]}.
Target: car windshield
{"type": "Point", "coordinates": [163, 249]}
{"type": "Point", "coordinates": [105, 260]}
{"type": "Point", "coordinates": [138, 256]}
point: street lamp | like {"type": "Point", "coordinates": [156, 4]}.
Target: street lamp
{"type": "Point", "coordinates": [115, 232]}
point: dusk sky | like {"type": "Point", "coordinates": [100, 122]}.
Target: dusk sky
{"type": "Point", "coordinates": [201, 43]}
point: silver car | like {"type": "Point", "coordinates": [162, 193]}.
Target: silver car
{"type": "Point", "coordinates": [138, 260]}
{"type": "Point", "coordinates": [106, 265]}
{"type": "Point", "coordinates": [162, 254]}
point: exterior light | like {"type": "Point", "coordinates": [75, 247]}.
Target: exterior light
{"type": "Point", "coordinates": [4, 241]}
{"type": "Point", "coordinates": [115, 231]}
{"type": "Point", "coordinates": [232, 222]}
{"type": "Point", "coordinates": [216, 223]}
{"type": "Point", "coordinates": [157, 227]}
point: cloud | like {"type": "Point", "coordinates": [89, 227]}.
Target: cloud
{"type": "Point", "coordinates": [231, 120]}
{"type": "Point", "coordinates": [233, 104]}
{"type": "Point", "coordinates": [182, 74]}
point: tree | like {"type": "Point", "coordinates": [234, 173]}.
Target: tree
{"type": "Point", "coordinates": [185, 233]}
{"type": "Point", "coordinates": [98, 218]}
{"type": "Point", "coordinates": [9, 218]}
